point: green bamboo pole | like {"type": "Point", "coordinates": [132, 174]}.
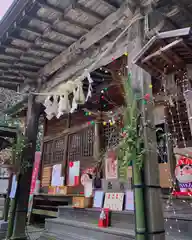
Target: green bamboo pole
{"type": "Point", "coordinates": [140, 229]}
{"type": "Point", "coordinates": [131, 150]}
{"type": "Point", "coordinates": [11, 218]}
{"type": "Point", "coordinates": [6, 208]}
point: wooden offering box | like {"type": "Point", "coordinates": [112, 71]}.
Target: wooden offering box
{"type": "Point", "coordinates": [82, 202]}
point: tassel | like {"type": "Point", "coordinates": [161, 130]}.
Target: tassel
{"type": "Point", "coordinates": [79, 95]}
{"type": "Point", "coordinates": [74, 105]}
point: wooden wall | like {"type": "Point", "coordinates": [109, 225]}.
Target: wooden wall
{"type": "Point", "coordinates": [73, 139]}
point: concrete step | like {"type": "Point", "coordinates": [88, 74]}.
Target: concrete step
{"type": "Point", "coordinates": [77, 230]}
{"type": "Point", "coordinates": [91, 215]}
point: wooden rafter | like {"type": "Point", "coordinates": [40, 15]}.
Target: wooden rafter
{"type": "Point", "coordinates": [112, 22]}
{"type": "Point", "coordinates": [25, 62]}
{"type": "Point", "coordinates": [51, 27]}
{"type": "Point", "coordinates": [33, 75]}
{"type": "Point", "coordinates": [11, 86]}
{"type": "Point", "coordinates": [188, 48]}
{"type": "Point", "coordinates": [40, 35]}
{"type": "Point", "coordinates": [11, 80]}
{"type": "Point", "coordinates": [21, 49]}
{"type": "Point", "coordinates": [24, 54]}
{"type": "Point", "coordinates": [184, 9]}
{"type": "Point", "coordinates": [111, 5]}
{"type": "Point", "coordinates": [45, 4]}
{"type": "Point", "coordinates": [20, 68]}
{"type": "Point", "coordinates": [162, 50]}
{"type": "Point", "coordinates": [88, 11]}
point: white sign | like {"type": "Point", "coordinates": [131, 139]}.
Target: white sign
{"type": "Point", "coordinates": [111, 165]}
{"type": "Point", "coordinates": [88, 189]}
{"type": "Point", "coordinates": [56, 175]}
{"type": "Point", "coordinates": [129, 200]}
{"type": "Point", "coordinates": [74, 172]}
{"type": "Point", "coordinates": [114, 201]}
{"type": "Point", "coordinates": [98, 199]}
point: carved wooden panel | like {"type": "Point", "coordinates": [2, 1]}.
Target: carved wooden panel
{"type": "Point", "coordinates": [47, 152]}
{"type": "Point", "coordinates": [59, 151]}
{"type": "Point", "coordinates": [80, 144]}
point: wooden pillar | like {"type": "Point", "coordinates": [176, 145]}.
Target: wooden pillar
{"type": "Point", "coordinates": [24, 183]}
{"type": "Point", "coordinates": [152, 191]}
{"type": "Point", "coordinates": [99, 145]}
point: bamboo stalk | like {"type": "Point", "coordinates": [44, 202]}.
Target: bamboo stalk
{"type": "Point", "coordinates": [140, 229]}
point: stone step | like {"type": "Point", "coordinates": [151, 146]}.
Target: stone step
{"type": "Point", "coordinates": [118, 219]}
{"type": "Point", "coordinates": [60, 228]}
{"type": "Point", "coordinates": [77, 230]}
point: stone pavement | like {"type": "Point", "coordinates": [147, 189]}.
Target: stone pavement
{"type": "Point", "coordinates": [34, 232]}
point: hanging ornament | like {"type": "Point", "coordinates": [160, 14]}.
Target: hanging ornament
{"type": "Point", "coordinates": [74, 104]}
{"type": "Point", "coordinates": [63, 105]}
{"type": "Point", "coordinates": [52, 109]}
{"type": "Point", "coordinates": [48, 102]}
{"type": "Point", "coordinates": [90, 89]}
{"type": "Point", "coordinates": [79, 95]}
{"type": "Point", "coordinates": [147, 97]}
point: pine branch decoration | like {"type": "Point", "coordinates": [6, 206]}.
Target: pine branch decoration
{"type": "Point", "coordinates": [131, 145]}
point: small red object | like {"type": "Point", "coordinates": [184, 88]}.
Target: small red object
{"type": "Point", "coordinates": [104, 218]}
{"type": "Point", "coordinates": [76, 180]}
{"type": "Point", "coordinates": [107, 220]}
{"type": "Point", "coordinates": [71, 164]}
{"type": "Point", "coordinates": [147, 96]}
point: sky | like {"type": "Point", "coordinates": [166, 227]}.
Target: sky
{"type": "Point", "coordinates": [5, 4]}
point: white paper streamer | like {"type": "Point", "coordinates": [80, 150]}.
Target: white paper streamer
{"type": "Point", "coordinates": [90, 89]}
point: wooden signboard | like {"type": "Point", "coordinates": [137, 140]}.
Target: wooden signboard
{"type": "Point", "coordinates": [46, 176]}
{"type": "Point", "coordinates": [114, 201]}
{"type": "Point", "coordinates": [111, 165]}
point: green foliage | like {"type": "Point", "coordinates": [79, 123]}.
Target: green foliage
{"type": "Point", "coordinates": [18, 147]}
{"type": "Point", "coordinates": [131, 145]}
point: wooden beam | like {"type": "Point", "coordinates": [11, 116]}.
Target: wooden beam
{"type": "Point", "coordinates": [39, 34]}
{"type": "Point", "coordinates": [11, 86]}
{"type": "Point", "coordinates": [25, 54]}
{"type": "Point", "coordinates": [19, 68]}
{"type": "Point", "coordinates": [188, 48]}
{"type": "Point", "coordinates": [77, 67]}
{"type": "Point", "coordinates": [53, 28]}
{"type": "Point", "coordinates": [33, 75]}
{"type": "Point", "coordinates": [113, 7]}
{"type": "Point", "coordinates": [184, 8]}
{"type": "Point", "coordinates": [112, 22]}
{"type": "Point", "coordinates": [28, 63]}
{"type": "Point", "coordinates": [45, 4]}
{"type": "Point", "coordinates": [162, 50]}
{"type": "Point", "coordinates": [7, 79]}
{"type": "Point", "coordinates": [21, 49]}
{"type": "Point", "coordinates": [88, 11]}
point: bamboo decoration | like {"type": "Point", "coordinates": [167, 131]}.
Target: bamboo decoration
{"type": "Point", "coordinates": [131, 151]}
